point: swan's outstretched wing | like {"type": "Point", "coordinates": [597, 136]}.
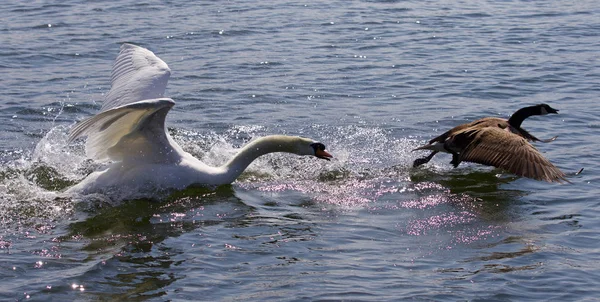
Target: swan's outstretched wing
{"type": "Point", "coordinates": [131, 123]}
{"type": "Point", "coordinates": [499, 148]}
{"type": "Point", "coordinates": [132, 132]}
{"type": "Point", "coordinates": [137, 75]}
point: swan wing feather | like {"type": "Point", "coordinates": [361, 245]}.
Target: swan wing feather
{"type": "Point", "coordinates": [137, 74]}
{"type": "Point", "coordinates": [128, 131]}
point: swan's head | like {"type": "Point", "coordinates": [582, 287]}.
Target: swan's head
{"type": "Point", "coordinates": [305, 146]}
{"type": "Point", "coordinates": [319, 151]}
{"type": "Point", "coordinates": [291, 144]}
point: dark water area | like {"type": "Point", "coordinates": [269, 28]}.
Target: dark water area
{"type": "Point", "coordinates": [370, 79]}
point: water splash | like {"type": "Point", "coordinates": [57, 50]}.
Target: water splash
{"type": "Point", "coordinates": [30, 183]}
{"type": "Point", "coordinates": [370, 165]}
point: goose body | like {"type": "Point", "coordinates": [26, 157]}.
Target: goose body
{"type": "Point", "coordinates": [130, 130]}
{"type": "Point", "coordinates": [497, 142]}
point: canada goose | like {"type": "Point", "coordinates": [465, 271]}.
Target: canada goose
{"type": "Point", "coordinates": [497, 142]}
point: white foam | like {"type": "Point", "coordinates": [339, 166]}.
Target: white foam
{"type": "Point", "coordinates": [359, 153]}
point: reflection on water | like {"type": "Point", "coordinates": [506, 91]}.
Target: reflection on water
{"type": "Point", "coordinates": [183, 211]}
{"type": "Point", "coordinates": [135, 231]}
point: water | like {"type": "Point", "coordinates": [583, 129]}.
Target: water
{"type": "Point", "coordinates": [370, 79]}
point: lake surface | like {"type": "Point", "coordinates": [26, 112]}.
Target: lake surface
{"type": "Point", "coordinates": [370, 79]}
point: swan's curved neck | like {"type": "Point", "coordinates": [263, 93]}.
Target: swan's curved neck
{"type": "Point", "coordinates": [264, 145]}
{"type": "Point", "coordinates": [520, 115]}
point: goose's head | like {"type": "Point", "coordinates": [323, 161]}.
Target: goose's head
{"type": "Point", "coordinates": [546, 109]}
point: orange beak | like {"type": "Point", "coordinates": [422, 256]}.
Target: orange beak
{"type": "Point", "coordinates": [323, 154]}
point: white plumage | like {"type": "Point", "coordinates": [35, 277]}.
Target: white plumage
{"type": "Point", "coordinates": [130, 130]}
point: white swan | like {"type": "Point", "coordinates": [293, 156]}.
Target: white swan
{"type": "Point", "coordinates": [130, 130]}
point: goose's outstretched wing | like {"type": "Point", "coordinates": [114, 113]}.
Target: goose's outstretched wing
{"type": "Point", "coordinates": [131, 123]}
{"type": "Point", "coordinates": [499, 148]}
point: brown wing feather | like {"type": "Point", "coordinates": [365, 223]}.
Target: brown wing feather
{"type": "Point", "coordinates": [480, 123]}
{"type": "Point", "coordinates": [499, 148]}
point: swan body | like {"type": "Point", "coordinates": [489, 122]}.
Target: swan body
{"type": "Point", "coordinates": [497, 142]}
{"type": "Point", "coordinates": [130, 130]}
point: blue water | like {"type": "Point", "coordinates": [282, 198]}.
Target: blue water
{"type": "Point", "coordinates": [370, 79]}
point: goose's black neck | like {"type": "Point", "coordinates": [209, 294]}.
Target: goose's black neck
{"type": "Point", "coordinates": [518, 117]}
